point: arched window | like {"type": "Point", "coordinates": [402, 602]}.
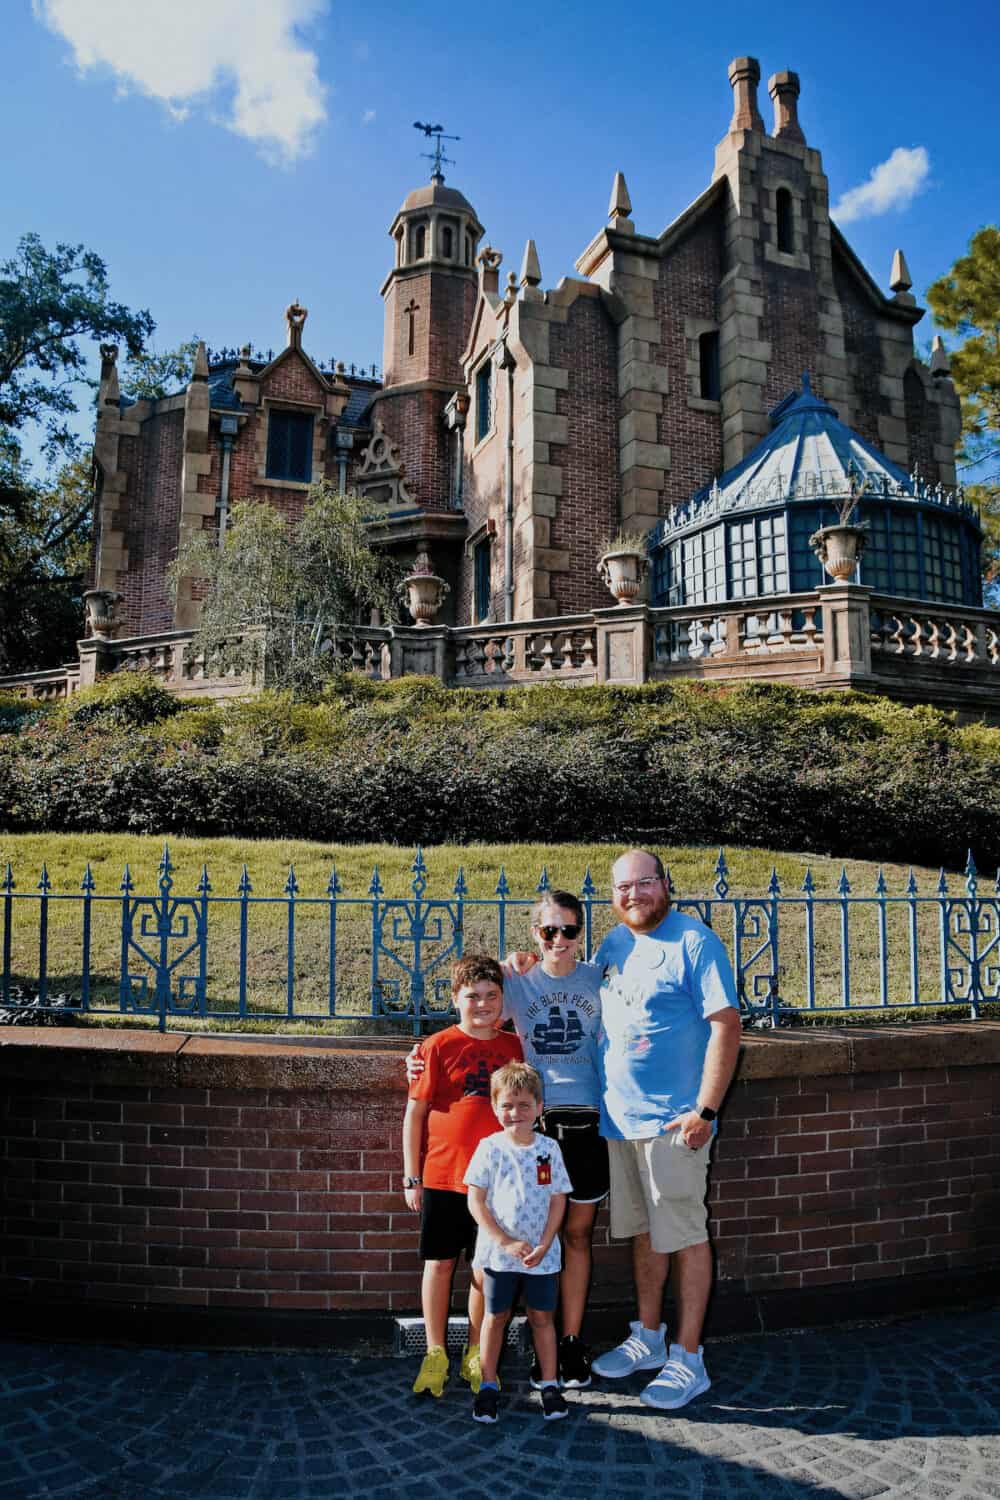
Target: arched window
{"type": "Point", "coordinates": [783, 210]}
{"type": "Point", "coordinates": [447, 239]}
{"type": "Point", "coordinates": [419, 242]}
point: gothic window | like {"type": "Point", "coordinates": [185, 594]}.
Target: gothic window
{"type": "Point", "coordinates": [484, 401]}
{"type": "Point", "coordinates": [783, 227]}
{"type": "Point", "coordinates": [708, 360]}
{"type": "Point", "coordinates": [290, 446]}
{"type": "Point", "coordinates": [447, 239]}
{"type": "Point", "coordinates": [482, 580]}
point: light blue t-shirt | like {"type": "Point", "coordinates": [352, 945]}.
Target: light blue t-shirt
{"type": "Point", "coordinates": [659, 989]}
{"type": "Point", "coordinates": [557, 1021]}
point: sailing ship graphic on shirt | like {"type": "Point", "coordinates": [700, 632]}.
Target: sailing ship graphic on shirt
{"type": "Point", "coordinates": [557, 1034]}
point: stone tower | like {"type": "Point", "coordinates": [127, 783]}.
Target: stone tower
{"type": "Point", "coordinates": [429, 297]}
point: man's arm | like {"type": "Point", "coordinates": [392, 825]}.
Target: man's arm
{"type": "Point", "coordinates": [720, 1063]}
{"type": "Point", "coordinates": [413, 1142]}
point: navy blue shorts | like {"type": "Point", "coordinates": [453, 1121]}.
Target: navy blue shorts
{"type": "Point", "coordinates": [501, 1287]}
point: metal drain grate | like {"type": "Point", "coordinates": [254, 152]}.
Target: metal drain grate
{"type": "Point", "coordinates": [409, 1335]}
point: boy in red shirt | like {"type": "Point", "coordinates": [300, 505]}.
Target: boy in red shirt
{"type": "Point", "coordinates": [448, 1114]}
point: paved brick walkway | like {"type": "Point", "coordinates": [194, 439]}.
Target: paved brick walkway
{"type": "Point", "coordinates": [902, 1409]}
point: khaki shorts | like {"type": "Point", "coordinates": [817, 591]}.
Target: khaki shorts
{"type": "Point", "coordinates": [658, 1186]}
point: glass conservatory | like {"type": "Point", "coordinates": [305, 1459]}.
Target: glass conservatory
{"type": "Point", "coordinates": [746, 535]}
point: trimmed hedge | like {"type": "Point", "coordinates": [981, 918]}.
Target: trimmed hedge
{"type": "Point", "coordinates": [411, 762]}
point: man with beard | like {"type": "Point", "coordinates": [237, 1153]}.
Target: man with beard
{"type": "Point", "coordinates": [669, 1044]}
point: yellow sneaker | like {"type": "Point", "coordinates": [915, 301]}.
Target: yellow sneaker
{"type": "Point", "coordinates": [471, 1370]}
{"type": "Point", "coordinates": [434, 1372]}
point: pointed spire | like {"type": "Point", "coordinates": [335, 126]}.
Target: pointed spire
{"type": "Point", "coordinates": [940, 365]}
{"type": "Point", "coordinates": [200, 369]}
{"type": "Point", "coordinates": [900, 280]}
{"type": "Point", "coordinates": [620, 205]}
{"type": "Point", "coordinates": [531, 271]}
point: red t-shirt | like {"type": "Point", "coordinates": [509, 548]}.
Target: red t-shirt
{"type": "Point", "coordinates": [456, 1081]}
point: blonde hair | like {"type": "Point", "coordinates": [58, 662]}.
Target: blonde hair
{"type": "Point", "coordinates": [519, 1078]}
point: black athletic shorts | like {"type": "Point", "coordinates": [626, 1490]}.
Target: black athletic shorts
{"type": "Point", "coordinates": [446, 1226]}
{"type": "Point", "coordinates": [584, 1151]}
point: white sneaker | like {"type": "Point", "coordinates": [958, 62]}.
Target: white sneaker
{"type": "Point", "coordinates": [637, 1352]}
{"type": "Point", "coordinates": [682, 1378]}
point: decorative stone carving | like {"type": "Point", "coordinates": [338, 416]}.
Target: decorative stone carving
{"type": "Point", "coordinates": [100, 606]}
{"type": "Point", "coordinates": [382, 474]}
{"type": "Point", "coordinates": [425, 591]}
{"type": "Point", "coordinates": [839, 549]}
{"type": "Point", "coordinates": [622, 570]}
{"type": "Point", "coordinates": [295, 317]}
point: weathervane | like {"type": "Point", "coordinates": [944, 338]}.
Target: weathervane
{"type": "Point", "coordinates": [438, 156]}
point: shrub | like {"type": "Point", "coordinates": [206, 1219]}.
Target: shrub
{"type": "Point", "coordinates": [125, 698]}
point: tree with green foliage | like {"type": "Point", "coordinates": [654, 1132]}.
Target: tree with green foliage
{"type": "Point", "coordinates": [44, 550]}
{"type": "Point", "coordinates": [287, 590]}
{"type": "Point", "coordinates": [966, 302]}
{"type": "Point", "coordinates": [148, 376]}
{"type": "Point", "coordinates": [49, 302]}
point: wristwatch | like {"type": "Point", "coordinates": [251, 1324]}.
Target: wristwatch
{"type": "Point", "coordinates": [409, 1182]}
{"type": "Point", "coordinates": [704, 1113]}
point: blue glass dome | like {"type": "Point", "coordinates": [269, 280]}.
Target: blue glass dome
{"type": "Point", "coordinates": [746, 535]}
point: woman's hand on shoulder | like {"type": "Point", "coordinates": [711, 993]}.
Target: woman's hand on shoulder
{"type": "Point", "coordinates": [414, 1063]}
{"type": "Point", "coordinates": [518, 963]}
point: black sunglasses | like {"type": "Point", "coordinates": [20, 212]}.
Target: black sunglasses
{"type": "Point", "coordinates": [568, 930]}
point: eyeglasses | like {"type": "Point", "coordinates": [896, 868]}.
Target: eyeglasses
{"type": "Point", "coordinates": [568, 930]}
{"type": "Point", "coordinates": [624, 886]}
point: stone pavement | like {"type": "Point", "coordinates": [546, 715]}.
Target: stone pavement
{"type": "Point", "coordinates": [897, 1409]}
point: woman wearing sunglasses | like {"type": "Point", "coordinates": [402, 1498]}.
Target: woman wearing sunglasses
{"type": "Point", "coordinates": [556, 1011]}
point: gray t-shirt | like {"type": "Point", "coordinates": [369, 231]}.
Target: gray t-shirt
{"type": "Point", "coordinates": [558, 1021]}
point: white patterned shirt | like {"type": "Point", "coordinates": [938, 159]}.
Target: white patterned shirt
{"type": "Point", "coordinates": [519, 1183]}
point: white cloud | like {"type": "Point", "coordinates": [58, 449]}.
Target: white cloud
{"type": "Point", "coordinates": [892, 184]}
{"type": "Point", "coordinates": [187, 53]}
{"type": "Point", "coordinates": [368, 117]}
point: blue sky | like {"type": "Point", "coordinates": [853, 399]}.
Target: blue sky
{"type": "Point", "coordinates": [224, 158]}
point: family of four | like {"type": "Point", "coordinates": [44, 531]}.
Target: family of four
{"type": "Point", "coordinates": [610, 1080]}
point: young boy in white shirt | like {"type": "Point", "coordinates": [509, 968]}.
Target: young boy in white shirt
{"type": "Point", "coordinates": [517, 1186]}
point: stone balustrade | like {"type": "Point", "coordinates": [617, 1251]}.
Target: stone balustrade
{"type": "Point", "coordinates": [837, 636]}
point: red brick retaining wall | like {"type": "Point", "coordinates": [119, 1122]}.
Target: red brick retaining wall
{"type": "Point", "coordinates": [250, 1175]}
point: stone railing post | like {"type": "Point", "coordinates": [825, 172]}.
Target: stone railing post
{"type": "Point", "coordinates": [847, 635]}
{"type": "Point", "coordinates": [624, 643]}
{"type": "Point", "coordinates": [97, 659]}
{"type": "Point", "coordinates": [425, 649]}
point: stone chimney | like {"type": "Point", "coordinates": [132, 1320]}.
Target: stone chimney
{"type": "Point", "coordinates": [784, 91]}
{"type": "Point", "coordinates": [744, 75]}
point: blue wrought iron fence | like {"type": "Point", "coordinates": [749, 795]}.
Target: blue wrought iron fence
{"type": "Point", "coordinates": [382, 961]}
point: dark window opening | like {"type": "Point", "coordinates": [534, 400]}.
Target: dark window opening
{"type": "Point", "coordinates": [290, 446]}
{"type": "Point", "coordinates": [481, 563]}
{"type": "Point", "coordinates": [419, 242]}
{"type": "Point", "coordinates": [446, 243]}
{"type": "Point", "coordinates": [708, 359]}
{"type": "Point", "coordinates": [484, 401]}
{"type": "Point", "coordinates": [783, 210]}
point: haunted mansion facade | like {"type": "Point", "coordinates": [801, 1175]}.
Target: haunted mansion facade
{"type": "Point", "coordinates": [661, 391]}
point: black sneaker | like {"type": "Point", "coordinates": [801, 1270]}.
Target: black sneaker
{"type": "Point", "coordinates": [486, 1404]}
{"type": "Point", "coordinates": [553, 1403]}
{"type": "Point", "coordinates": [574, 1363]}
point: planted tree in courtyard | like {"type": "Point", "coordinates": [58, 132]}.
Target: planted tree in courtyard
{"type": "Point", "coordinates": [283, 592]}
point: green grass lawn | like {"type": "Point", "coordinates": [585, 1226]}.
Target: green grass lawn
{"type": "Point", "coordinates": [269, 975]}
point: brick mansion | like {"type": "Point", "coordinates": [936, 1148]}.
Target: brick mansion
{"type": "Point", "coordinates": [716, 387]}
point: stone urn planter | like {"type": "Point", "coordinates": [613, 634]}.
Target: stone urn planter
{"type": "Point", "coordinates": [622, 567]}
{"type": "Point", "coordinates": [424, 591]}
{"type": "Point", "coordinates": [100, 607]}
{"type": "Point", "coordinates": [839, 548]}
